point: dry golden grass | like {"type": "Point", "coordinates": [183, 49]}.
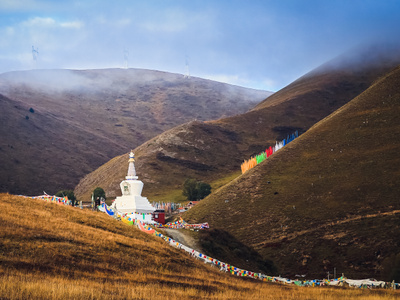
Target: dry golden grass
{"type": "Point", "coordinates": [22, 286]}
{"type": "Point", "coordinates": [48, 251]}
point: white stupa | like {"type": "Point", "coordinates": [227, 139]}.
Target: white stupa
{"type": "Point", "coordinates": [131, 202]}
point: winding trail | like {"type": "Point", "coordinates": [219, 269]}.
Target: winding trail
{"type": "Point", "coordinates": [296, 234]}
{"type": "Point", "coordinates": [183, 237]}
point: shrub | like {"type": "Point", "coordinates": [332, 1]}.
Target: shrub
{"type": "Point", "coordinates": [195, 190]}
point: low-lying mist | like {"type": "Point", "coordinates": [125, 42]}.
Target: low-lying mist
{"type": "Point", "coordinates": [366, 55]}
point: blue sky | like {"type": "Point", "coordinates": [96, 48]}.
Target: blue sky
{"type": "Point", "coordinates": [259, 44]}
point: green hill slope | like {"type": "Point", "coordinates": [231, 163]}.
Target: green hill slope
{"type": "Point", "coordinates": [327, 200]}
{"type": "Point", "coordinates": [59, 125]}
{"type": "Point", "coordinates": [212, 151]}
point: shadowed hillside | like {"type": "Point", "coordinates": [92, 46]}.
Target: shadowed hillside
{"type": "Point", "coordinates": [327, 200]}
{"type": "Point", "coordinates": [212, 151]}
{"type": "Point", "coordinates": [58, 125]}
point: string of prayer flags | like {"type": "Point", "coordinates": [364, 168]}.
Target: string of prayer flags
{"type": "Point", "coordinates": [224, 267]}
{"type": "Point", "coordinates": [54, 199]}
{"type": "Point", "coordinates": [253, 161]}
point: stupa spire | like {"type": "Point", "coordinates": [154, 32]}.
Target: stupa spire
{"type": "Point", "coordinates": [131, 169]}
{"type": "Point", "coordinates": [131, 201]}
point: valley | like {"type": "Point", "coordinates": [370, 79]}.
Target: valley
{"type": "Point", "coordinates": [326, 202]}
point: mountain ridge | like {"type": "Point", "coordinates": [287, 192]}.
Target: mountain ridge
{"type": "Point", "coordinates": [225, 143]}
{"type": "Point", "coordinates": [68, 122]}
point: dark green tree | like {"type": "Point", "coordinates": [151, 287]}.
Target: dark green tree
{"type": "Point", "coordinates": [195, 190]}
{"type": "Point", "coordinates": [99, 192]}
{"type": "Point", "coordinates": [69, 193]}
{"type": "Point", "coordinates": [190, 189]}
{"type": "Point", "coordinates": [203, 190]}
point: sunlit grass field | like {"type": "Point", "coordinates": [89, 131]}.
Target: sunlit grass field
{"type": "Point", "coordinates": [49, 251]}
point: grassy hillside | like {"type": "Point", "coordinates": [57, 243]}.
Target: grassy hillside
{"type": "Point", "coordinates": [52, 251]}
{"type": "Point", "coordinates": [327, 200]}
{"type": "Point", "coordinates": [59, 125]}
{"type": "Point", "coordinates": [212, 151]}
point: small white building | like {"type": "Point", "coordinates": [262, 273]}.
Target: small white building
{"type": "Point", "coordinates": [131, 202]}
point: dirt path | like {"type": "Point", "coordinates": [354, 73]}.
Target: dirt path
{"type": "Point", "coordinates": [296, 234]}
{"type": "Point", "coordinates": [183, 236]}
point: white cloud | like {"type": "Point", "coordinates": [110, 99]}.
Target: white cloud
{"type": "Point", "coordinates": [6, 36]}
{"type": "Point", "coordinates": [231, 79]}
{"type": "Point", "coordinates": [266, 84]}
{"type": "Point", "coordinates": [56, 40]}
{"type": "Point", "coordinates": [51, 23]}
{"type": "Point", "coordinates": [269, 84]}
{"type": "Point", "coordinates": [72, 25]}
{"type": "Point", "coordinates": [39, 22]}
